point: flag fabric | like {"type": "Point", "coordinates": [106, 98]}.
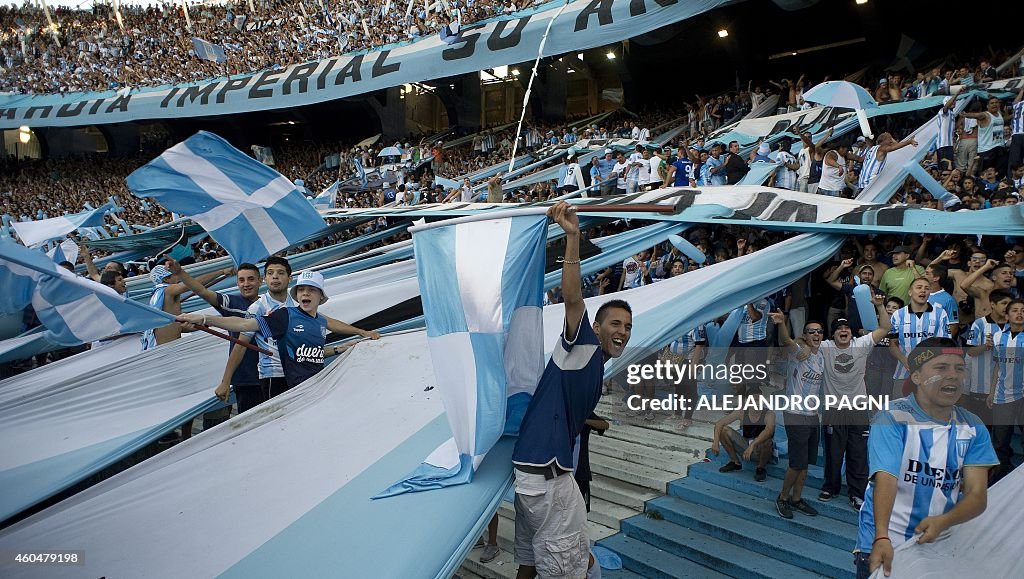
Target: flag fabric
{"type": "Point", "coordinates": [361, 173]}
{"type": "Point", "coordinates": [36, 233]}
{"type": "Point", "coordinates": [332, 161]}
{"type": "Point", "coordinates": [247, 207]}
{"type": "Point", "coordinates": [264, 155]}
{"type": "Point", "coordinates": [326, 198]}
{"type": "Point", "coordinates": [208, 50]}
{"type": "Point", "coordinates": [75, 310]}
{"type": "Point", "coordinates": [66, 250]}
{"type": "Point", "coordinates": [482, 285]}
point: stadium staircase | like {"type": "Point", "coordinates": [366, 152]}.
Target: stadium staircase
{"type": "Point", "coordinates": [669, 514]}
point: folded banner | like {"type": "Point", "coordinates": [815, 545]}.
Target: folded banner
{"type": "Point", "coordinates": [74, 310]}
{"type": "Point", "coordinates": [208, 51]}
{"type": "Point", "coordinates": [250, 209]}
{"type": "Point", "coordinates": [482, 285]}
{"type": "Point", "coordinates": [514, 38]}
{"type": "Point", "coordinates": [36, 233]}
{"type": "Point", "coordinates": [327, 198]}
{"type": "Point", "coordinates": [66, 250]}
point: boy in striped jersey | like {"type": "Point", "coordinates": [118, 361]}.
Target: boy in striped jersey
{"type": "Point", "coordinates": [1016, 155]}
{"type": "Point", "coordinates": [946, 119]}
{"type": "Point", "coordinates": [979, 352]}
{"type": "Point", "coordinates": [1006, 398]}
{"type": "Point", "coordinates": [929, 460]}
{"type": "Point", "coordinates": [911, 326]}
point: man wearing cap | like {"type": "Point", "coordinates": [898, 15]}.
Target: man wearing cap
{"type": "Point", "coordinates": [605, 166]}
{"type": "Point", "coordinates": [300, 331]}
{"type": "Point", "coordinates": [846, 430]}
{"type": "Point", "coordinates": [897, 279]}
{"type": "Point", "coordinates": [929, 460]}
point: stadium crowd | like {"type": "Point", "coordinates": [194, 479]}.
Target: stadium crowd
{"type": "Point", "coordinates": [88, 50]}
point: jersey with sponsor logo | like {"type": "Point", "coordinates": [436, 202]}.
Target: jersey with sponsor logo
{"type": "Point", "coordinates": [300, 341]}
{"type": "Point", "coordinates": [684, 173]}
{"type": "Point", "coordinates": [1008, 356]}
{"type": "Point", "coordinates": [911, 328]}
{"type": "Point", "coordinates": [927, 458]}
{"type": "Point", "coordinates": [804, 380]}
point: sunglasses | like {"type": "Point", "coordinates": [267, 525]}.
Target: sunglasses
{"type": "Point", "coordinates": [811, 332]}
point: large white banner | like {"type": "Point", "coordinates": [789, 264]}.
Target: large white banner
{"type": "Point", "coordinates": [583, 24]}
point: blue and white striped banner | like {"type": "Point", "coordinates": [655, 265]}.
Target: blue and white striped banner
{"type": "Point", "coordinates": [250, 209]}
{"type": "Point", "coordinates": [482, 285]}
{"type": "Point", "coordinates": [36, 233]}
{"type": "Point", "coordinates": [327, 198]}
{"type": "Point", "coordinates": [74, 310]}
{"type": "Point", "coordinates": [207, 50]}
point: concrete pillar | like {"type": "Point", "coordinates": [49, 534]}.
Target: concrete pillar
{"type": "Point", "coordinates": [391, 112]}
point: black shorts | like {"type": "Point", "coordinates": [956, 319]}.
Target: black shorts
{"type": "Point", "coordinates": [802, 432]}
{"type": "Point", "coordinates": [567, 189]}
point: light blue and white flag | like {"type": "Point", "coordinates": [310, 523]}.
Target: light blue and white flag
{"type": "Point", "coordinates": [66, 250]}
{"type": "Point", "coordinates": [36, 233]}
{"type": "Point", "coordinates": [75, 310]}
{"type": "Point", "coordinates": [481, 282]}
{"type": "Point", "coordinates": [247, 207]}
{"type": "Point", "coordinates": [326, 198]}
{"type": "Point", "coordinates": [208, 51]}
{"type": "Point", "coordinates": [361, 173]}
{"type": "Point", "coordinates": [264, 155]}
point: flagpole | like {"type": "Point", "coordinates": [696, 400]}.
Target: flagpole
{"type": "Point", "coordinates": [542, 210]}
{"type": "Point", "coordinates": [233, 340]}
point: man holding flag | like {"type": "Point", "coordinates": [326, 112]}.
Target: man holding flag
{"type": "Point", "coordinates": [551, 517]}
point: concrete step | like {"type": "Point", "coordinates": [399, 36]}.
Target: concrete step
{"type": "Point", "coordinates": [752, 538]}
{"type": "Point", "coordinates": [619, 574]}
{"type": "Point", "coordinates": [743, 481]}
{"type": "Point", "coordinates": [620, 419]}
{"type": "Point", "coordinates": [640, 453]}
{"type": "Point", "coordinates": [725, 557]}
{"type": "Point", "coordinates": [608, 514]}
{"type": "Point", "coordinates": [640, 475]}
{"type": "Point", "coordinates": [653, 563]}
{"type": "Point", "coordinates": [621, 493]}
{"type": "Point", "coordinates": [762, 511]}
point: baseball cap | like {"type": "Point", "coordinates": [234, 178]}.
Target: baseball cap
{"type": "Point", "coordinates": [763, 149]}
{"type": "Point", "coordinates": [883, 81]}
{"type": "Point", "coordinates": [607, 151]}
{"type": "Point", "coordinates": [839, 323]}
{"type": "Point", "coordinates": [900, 249]}
{"type": "Point", "coordinates": [159, 273]}
{"type": "Point", "coordinates": [310, 278]}
{"type": "Point", "coordinates": [861, 139]}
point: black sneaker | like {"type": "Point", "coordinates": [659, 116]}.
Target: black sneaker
{"type": "Point", "coordinates": [856, 503]}
{"type": "Point", "coordinates": [804, 508]}
{"type": "Point", "coordinates": [825, 496]}
{"type": "Point", "coordinates": [760, 475]}
{"type": "Point", "coordinates": [730, 467]}
{"type": "Point", "coordinates": [783, 506]}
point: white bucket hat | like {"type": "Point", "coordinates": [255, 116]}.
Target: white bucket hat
{"type": "Point", "coordinates": [313, 279]}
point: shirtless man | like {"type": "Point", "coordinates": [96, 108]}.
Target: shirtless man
{"type": "Point", "coordinates": [974, 284]}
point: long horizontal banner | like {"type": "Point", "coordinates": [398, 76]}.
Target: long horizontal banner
{"type": "Point", "coordinates": [754, 206]}
{"type": "Point", "coordinates": [583, 24]}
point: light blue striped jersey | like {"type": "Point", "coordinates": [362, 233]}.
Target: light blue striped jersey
{"type": "Point", "coordinates": [947, 124]}
{"type": "Point", "coordinates": [1017, 119]}
{"type": "Point", "coordinates": [990, 136]}
{"type": "Point", "coordinates": [751, 331]}
{"type": "Point", "coordinates": [948, 303]}
{"type": "Point", "coordinates": [980, 367]}
{"type": "Point", "coordinates": [269, 366]}
{"type": "Point", "coordinates": [805, 379]}
{"type": "Point", "coordinates": [871, 167]}
{"type": "Point", "coordinates": [927, 458]}
{"type": "Point", "coordinates": [1008, 355]}
{"type": "Point", "coordinates": [157, 301]}
{"type": "Point", "coordinates": [684, 345]}
{"type": "Point", "coordinates": [911, 328]}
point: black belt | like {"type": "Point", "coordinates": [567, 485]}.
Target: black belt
{"type": "Point", "coordinates": [550, 471]}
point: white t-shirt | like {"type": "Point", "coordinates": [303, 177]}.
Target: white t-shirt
{"type": "Point", "coordinates": [645, 170]}
{"type": "Point", "coordinates": [653, 164]}
{"type": "Point", "coordinates": [620, 170]}
{"type": "Point", "coordinates": [845, 367]}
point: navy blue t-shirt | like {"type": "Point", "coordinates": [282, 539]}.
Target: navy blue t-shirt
{"type": "Point", "coordinates": [684, 172]}
{"type": "Point", "coordinates": [247, 373]}
{"type": "Point", "coordinates": [566, 396]}
{"type": "Point", "coordinates": [300, 341]}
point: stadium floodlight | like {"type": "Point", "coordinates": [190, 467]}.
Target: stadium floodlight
{"type": "Point", "coordinates": [861, 1]}
{"type": "Point", "coordinates": [610, 55]}
{"type": "Point", "coordinates": [24, 134]}
{"type": "Point", "coordinates": [515, 72]}
{"type": "Point", "coordinates": [723, 33]}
